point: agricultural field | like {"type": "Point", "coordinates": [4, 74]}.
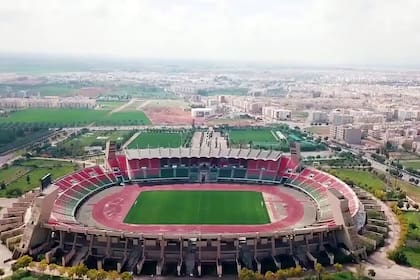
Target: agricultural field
{"type": "Point", "coordinates": [139, 91]}
{"type": "Point", "coordinates": [55, 89]}
{"type": "Point", "coordinates": [163, 139]}
{"type": "Point", "coordinates": [74, 117]}
{"type": "Point", "coordinates": [24, 175]}
{"type": "Point", "coordinates": [198, 207]}
{"type": "Point", "coordinates": [415, 164]}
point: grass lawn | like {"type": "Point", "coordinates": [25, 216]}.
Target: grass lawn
{"type": "Point", "coordinates": [412, 191]}
{"type": "Point", "coordinates": [35, 169]}
{"type": "Point", "coordinates": [158, 139]}
{"type": "Point", "coordinates": [415, 164]}
{"type": "Point", "coordinates": [75, 117]}
{"type": "Point", "coordinates": [413, 218]}
{"type": "Point", "coordinates": [413, 256]}
{"type": "Point", "coordinates": [360, 178]}
{"type": "Point", "coordinates": [98, 138]}
{"type": "Point", "coordinates": [198, 207]}
{"type": "Point", "coordinates": [256, 136]}
{"type": "Point", "coordinates": [11, 173]}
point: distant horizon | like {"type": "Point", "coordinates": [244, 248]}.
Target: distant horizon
{"type": "Point", "coordinates": [13, 58]}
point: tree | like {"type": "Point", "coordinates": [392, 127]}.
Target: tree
{"type": "Point", "coordinates": [400, 203]}
{"type": "Point", "coordinates": [52, 266]}
{"type": "Point", "coordinates": [113, 275]}
{"type": "Point", "coordinates": [22, 262]}
{"type": "Point", "coordinates": [338, 267]}
{"type": "Point", "coordinates": [246, 274]}
{"type": "Point", "coordinates": [270, 276]}
{"type": "Point", "coordinates": [102, 274]}
{"type": "Point", "coordinates": [126, 276]}
{"type": "Point", "coordinates": [62, 270]}
{"type": "Point", "coordinates": [92, 274]}
{"type": "Point", "coordinates": [319, 270]}
{"type": "Point", "coordinates": [399, 257]}
{"type": "Point", "coordinates": [80, 270]}
{"type": "Point", "coordinates": [42, 266]}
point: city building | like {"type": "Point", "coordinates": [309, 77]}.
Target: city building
{"type": "Point", "coordinates": [347, 134]}
{"type": "Point", "coordinates": [201, 112]}
{"type": "Point", "coordinates": [318, 117]}
{"type": "Point", "coordinates": [271, 112]}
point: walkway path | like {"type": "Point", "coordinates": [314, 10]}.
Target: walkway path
{"type": "Point", "coordinates": [385, 268]}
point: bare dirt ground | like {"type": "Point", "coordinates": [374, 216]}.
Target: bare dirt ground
{"type": "Point", "coordinates": [167, 112]}
{"type": "Point", "coordinates": [168, 115]}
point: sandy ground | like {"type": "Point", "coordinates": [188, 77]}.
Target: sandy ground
{"type": "Point", "coordinates": [168, 115]}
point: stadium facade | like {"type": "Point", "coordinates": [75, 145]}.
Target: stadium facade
{"type": "Point", "coordinates": [55, 228]}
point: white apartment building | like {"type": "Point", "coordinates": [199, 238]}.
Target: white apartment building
{"type": "Point", "coordinates": [347, 134]}
{"type": "Point", "coordinates": [271, 112]}
{"type": "Point", "coordinates": [405, 115]}
{"type": "Point", "coordinates": [201, 112]}
{"type": "Point", "coordinates": [48, 102]}
{"type": "Point", "coordinates": [339, 118]}
{"type": "Point", "coordinates": [318, 117]}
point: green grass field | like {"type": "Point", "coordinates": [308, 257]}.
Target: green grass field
{"type": "Point", "coordinates": [360, 178]}
{"type": "Point", "coordinates": [198, 207]}
{"type": "Point", "coordinates": [15, 176]}
{"type": "Point", "coordinates": [75, 117]}
{"type": "Point", "coordinates": [413, 254]}
{"type": "Point", "coordinates": [98, 138]}
{"type": "Point", "coordinates": [157, 139]}
{"type": "Point", "coordinates": [246, 135]}
{"type": "Point", "coordinates": [415, 164]}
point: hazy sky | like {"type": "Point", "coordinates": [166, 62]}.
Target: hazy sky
{"type": "Point", "coordinates": [279, 31]}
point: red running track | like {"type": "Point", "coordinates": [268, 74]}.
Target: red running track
{"type": "Point", "coordinates": [111, 210]}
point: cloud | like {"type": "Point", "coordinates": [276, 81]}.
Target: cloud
{"type": "Point", "coordinates": [294, 31]}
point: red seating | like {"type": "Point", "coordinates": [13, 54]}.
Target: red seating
{"type": "Point", "coordinates": [122, 164]}
{"type": "Point", "coordinates": [272, 165]}
{"type": "Point", "coordinates": [283, 166]}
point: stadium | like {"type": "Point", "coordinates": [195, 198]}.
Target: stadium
{"type": "Point", "coordinates": [184, 211]}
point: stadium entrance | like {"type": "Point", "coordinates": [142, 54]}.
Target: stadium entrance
{"type": "Point", "coordinates": [204, 173]}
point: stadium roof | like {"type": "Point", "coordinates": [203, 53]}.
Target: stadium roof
{"type": "Point", "coordinates": [202, 152]}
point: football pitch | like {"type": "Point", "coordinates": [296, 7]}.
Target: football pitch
{"type": "Point", "coordinates": [198, 208]}
{"type": "Point", "coordinates": [158, 139]}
